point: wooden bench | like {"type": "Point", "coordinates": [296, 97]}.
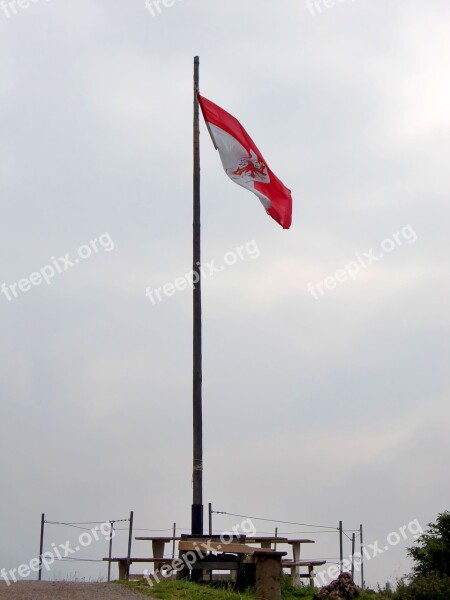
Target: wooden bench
{"type": "Point", "coordinates": [217, 556]}
{"type": "Point", "coordinates": [123, 564]}
{"type": "Point", "coordinates": [296, 574]}
{"type": "Point", "coordinates": [266, 541]}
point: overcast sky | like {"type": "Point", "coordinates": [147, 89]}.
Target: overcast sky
{"type": "Point", "coordinates": [321, 403]}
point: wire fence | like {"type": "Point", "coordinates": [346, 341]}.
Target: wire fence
{"type": "Point", "coordinates": [98, 531]}
{"type": "Point", "coordinates": [314, 529]}
{"type": "Point", "coordinates": [90, 530]}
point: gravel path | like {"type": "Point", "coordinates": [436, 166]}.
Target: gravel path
{"type": "Point", "coordinates": [34, 590]}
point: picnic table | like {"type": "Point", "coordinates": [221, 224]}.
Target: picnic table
{"type": "Point", "coordinates": [158, 559]}
{"type": "Point", "coordinates": [295, 564]}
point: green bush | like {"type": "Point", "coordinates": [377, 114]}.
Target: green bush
{"type": "Point", "coordinates": [432, 587]}
{"type": "Point", "coordinates": [431, 554]}
{"type": "Point", "coordinates": [379, 595]}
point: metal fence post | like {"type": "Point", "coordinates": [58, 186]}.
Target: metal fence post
{"type": "Point", "coordinates": [362, 555]}
{"type": "Point", "coordinates": [210, 517]}
{"type": "Point", "coordinates": [130, 537]}
{"type": "Point", "coordinates": [173, 541]}
{"type": "Point", "coordinates": [353, 555]}
{"type": "Point", "coordinates": [111, 531]}
{"type": "Point", "coordinates": [41, 546]}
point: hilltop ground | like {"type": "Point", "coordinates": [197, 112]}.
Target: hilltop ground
{"type": "Point", "coordinates": [35, 590]}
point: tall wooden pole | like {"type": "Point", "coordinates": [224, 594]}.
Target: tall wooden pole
{"type": "Point", "coordinates": [197, 466]}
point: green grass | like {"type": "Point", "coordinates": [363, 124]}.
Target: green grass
{"type": "Point", "coordinates": [185, 590]}
{"type": "Point", "coordinates": [288, 591]}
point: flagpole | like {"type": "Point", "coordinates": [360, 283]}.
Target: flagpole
{"type": "Point", "coordinates": [197, 464]}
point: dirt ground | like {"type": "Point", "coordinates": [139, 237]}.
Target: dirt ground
{"type": "Point", "coordinates": [34, 590]}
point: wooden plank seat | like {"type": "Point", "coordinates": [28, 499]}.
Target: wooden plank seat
{"type": "Point", "coordinates": [296, 574]}
{"type": "Point", "coordinates": [123, 563]}
{"type": "Point", "coordinates": [220, 547]}
{"type": "Point", "coordinates": [187, 538]}
{"type": "Point", "coordinates": [266, 541]}
{"type": "Point", "coordinates": [302, 563]}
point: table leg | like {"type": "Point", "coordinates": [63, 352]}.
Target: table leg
{"type": "Point", "coordinates": [268, 576]}
{"type": "Point", "coordinates": [295, 571]}
{"type": "Point", "coordinates": [122, 570]}
{"type": "Point", "coordinates": [158, 552]}
{"type": "Point", "coordinates": [182, 573]}
{"type": "Point", "coordinates": [295, 577]}
{"type": "Point", "coordinates": [311, 575]}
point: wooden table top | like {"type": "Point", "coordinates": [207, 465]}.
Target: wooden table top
{"type": "Point", "coordinates": [249, 540]}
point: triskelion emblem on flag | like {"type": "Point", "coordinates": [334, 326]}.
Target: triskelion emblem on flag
{"type": "Point", "coordinates": [249, 169]}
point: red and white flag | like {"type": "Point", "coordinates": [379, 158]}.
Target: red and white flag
{"type": "Point", "coordinates": [244, 163]}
